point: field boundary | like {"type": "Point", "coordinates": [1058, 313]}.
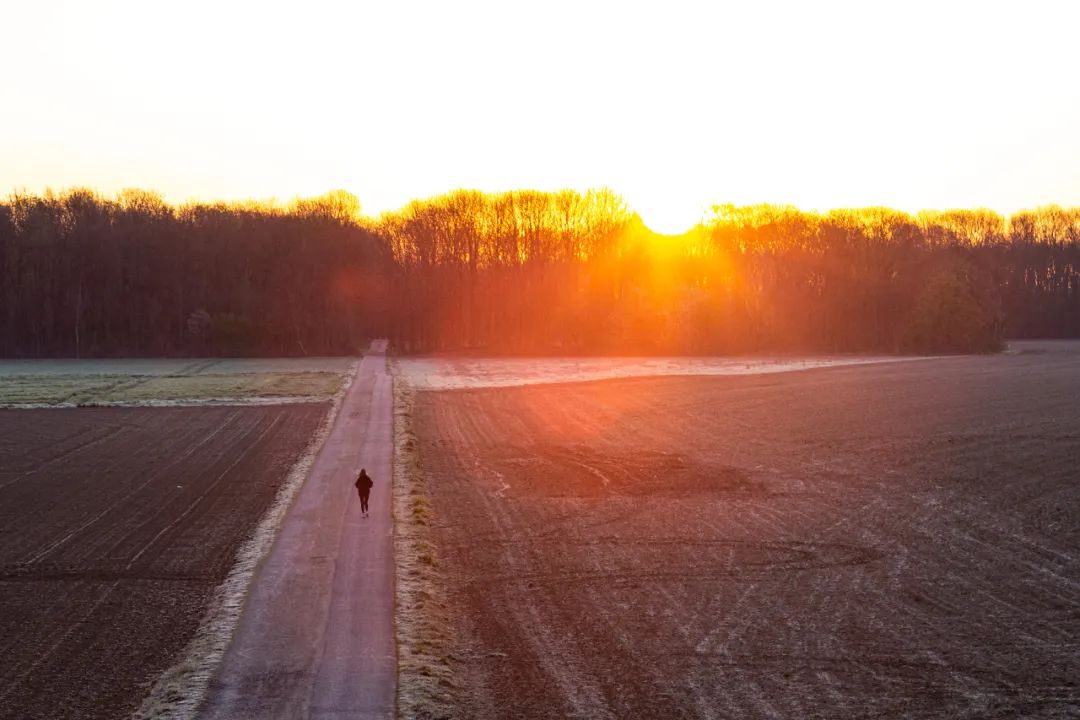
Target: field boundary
{"type": "Point", "coordinates": [423, 630]}
{"type": "Point", "coordinates": [215, 402]}
{"type": "Point", "coordinates": [130, 383]}
{"type": "Point", "coordinates": [180, 690]}
{"type": "Point", "coordinates": [450, 374]}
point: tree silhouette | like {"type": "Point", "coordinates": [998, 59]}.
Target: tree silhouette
{"type": "Point", "coordinates": [521, 272]}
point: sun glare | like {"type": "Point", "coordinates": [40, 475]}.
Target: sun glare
{"type": "Point", "coordinates": [665, 215]}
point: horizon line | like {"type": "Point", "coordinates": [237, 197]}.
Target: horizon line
{"type": "Point", "coordinates": [276, 202]}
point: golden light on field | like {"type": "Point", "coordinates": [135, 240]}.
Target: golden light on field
{"type": "Point", "coordinates": [676, 106]}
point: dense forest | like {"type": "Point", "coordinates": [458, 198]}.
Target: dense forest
{"type": "Point", "coordinates": [523, 272]}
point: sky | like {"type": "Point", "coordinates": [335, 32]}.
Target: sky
{"type": "Point", "coordinates": [675, 105]}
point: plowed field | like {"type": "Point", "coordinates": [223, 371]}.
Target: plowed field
{"type": "Point", "coordinates": [882, 541]}
{"type": "Point", "coordinates": [116, 526]}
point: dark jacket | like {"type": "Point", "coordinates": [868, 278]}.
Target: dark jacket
{"type": "Point", "coordinates": [364, 482]}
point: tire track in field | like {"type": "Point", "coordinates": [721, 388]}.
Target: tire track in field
{"type": "Point", "coordinates": [127, 383]}
{"type": "Point", "coordinates": [67, 455]}
{"type": "Point", "coordinates": [103, 477]}
{"type": "Point", "coordinates": [235, 438]}
{"type": "Point", "coordinates": [147, 505]}
{"type": "Point", "coordinates": [48, 549]}
{"type": "Point", "coordinates": [198, 501]}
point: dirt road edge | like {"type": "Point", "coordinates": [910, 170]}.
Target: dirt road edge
{"type": "Point", "coordinates": [422, 618]}
{"type": "Point", "coordinates": [179, 691]}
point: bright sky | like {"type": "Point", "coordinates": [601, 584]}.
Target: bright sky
{"type": "Point", "coordinates": [675, 105]}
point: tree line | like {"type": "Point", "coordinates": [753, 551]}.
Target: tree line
{"type": "Point", "coordinates": [82, 275]}
{"type": "Point", "coordinates": [520, 272]}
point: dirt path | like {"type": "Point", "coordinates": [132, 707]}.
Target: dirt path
{"type": "Point", "coordinates": [316, 637]}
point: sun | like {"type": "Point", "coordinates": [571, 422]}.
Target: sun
{"type": "Point", "coordinates": [666, 214]}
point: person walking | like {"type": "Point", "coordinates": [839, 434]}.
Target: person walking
{"type": "Point", "coordinates": [364, 484]}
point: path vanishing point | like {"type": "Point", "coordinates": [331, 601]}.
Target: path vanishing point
{"type": "Point", "coordinates": [316, 638]}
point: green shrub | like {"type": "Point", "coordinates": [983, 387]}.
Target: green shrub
{"type": "Point", "coordinates": [951, 315]}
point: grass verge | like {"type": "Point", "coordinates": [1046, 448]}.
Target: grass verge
{"type": "Point", "coordinates": [423, 629]}
{"type": "Point", "coordinates": [56, 390]}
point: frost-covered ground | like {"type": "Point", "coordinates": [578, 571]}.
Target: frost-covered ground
{"type": "Point", "coordinates": [434, 373]}
{"type": "Point", "coordinates": [152, 382]}
{"type": "Point", "coordinates": [173, 366]}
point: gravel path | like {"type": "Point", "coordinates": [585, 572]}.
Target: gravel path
{"type": "Point", "coordinates": [316, 637]}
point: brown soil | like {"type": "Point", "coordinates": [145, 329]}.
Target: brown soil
{"type": "Point", "coordinates": [882, 541]}
{"type": "Point", "coordinates": [116, 526]}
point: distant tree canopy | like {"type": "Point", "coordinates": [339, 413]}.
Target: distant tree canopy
{"type": "Point", "coordinates": [81, 275]}
{"type": "Point", "coordinates": [521, 272]}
